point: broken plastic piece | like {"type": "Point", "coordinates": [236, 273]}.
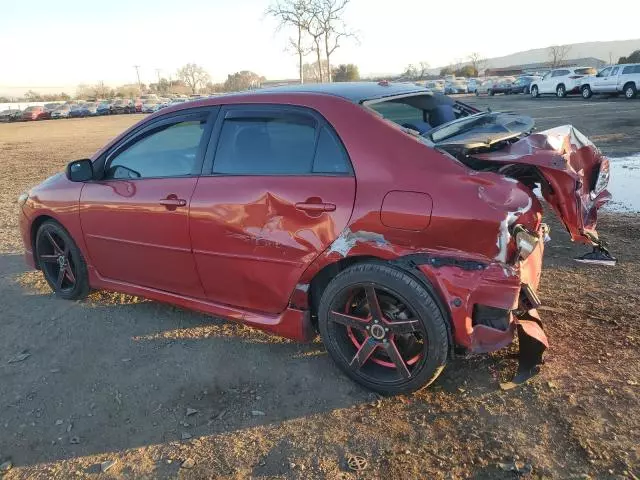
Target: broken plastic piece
{"type": "Point", "coordinates": [599, 256]}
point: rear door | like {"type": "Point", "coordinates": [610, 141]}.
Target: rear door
{"type": "Point", "coordinates": [276, 191]}
{"type": "Point", "coordinates": [135, 219]}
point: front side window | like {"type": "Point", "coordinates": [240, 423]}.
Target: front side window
{"type": "Point", "coordinates": [171, 150]}
{"type": "Point", "coordinates": [615, 71]}
{"type": "Point", "coordinates": [605, 72]}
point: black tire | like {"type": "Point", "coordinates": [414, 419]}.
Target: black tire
{"type": "Point", "coordinates": [69, 278]}
{"type": "Point", "coordinates": [630, 91]}
{"type": "Point", "coordinates": [561, 91]}
{"type": "Point", "coordinates": [427, 336]}
{"type": "Point", "coordinates": [534, 91]}
{"type": "Point", "coordinates": [477, 93]}
{"type": "Point", "coordinates": [586, 92]}
{"type": "Point", "coordinates": [491, 93]}
{"type": "Point", "coordinates": [526, 91]}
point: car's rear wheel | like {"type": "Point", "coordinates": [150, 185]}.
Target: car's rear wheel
{"type": "Point", "coordinates": [534, 91]}
{"type": "Point", "coordinates": [526, 90]}
{"type": "Point", "coordinates": [630, 91]}
{"type": "Point", "coordinates": [586, 91]}
{"type": "Point", "coordinates": [383, 328]}
{"type": "Point", "coordinates": [561, 91]}
{"type": "Point", "coordinates": [61, 261]}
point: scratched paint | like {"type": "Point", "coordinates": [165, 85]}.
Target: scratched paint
{"type": "Point", "coordinates": [348, 239]}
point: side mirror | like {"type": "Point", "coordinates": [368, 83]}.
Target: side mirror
{"type": "Point", "coordinates": [80, 170]}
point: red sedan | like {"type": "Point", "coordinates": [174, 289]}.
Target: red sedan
{"type": "Point", "coordinates": [397, 222]}
{"type": "Point", "coordinates": [35, 113]}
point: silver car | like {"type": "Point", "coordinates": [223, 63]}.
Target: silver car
{"type": "Point", "coordinates": [624, 78]}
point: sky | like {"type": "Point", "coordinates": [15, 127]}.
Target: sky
{"type": "Point", "coordinates": [51, 45]}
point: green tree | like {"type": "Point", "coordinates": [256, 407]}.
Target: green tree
{"type": "Point", "coordinates": [346, 73]}
{"type": "Point", "coordinates": [633, 58]}
{"type": "Point", "coordinates": [244, 80]}
{"type": "Point", "coordinates": [467, 71]}
{"type": "Point", "coordinates": [446, 71]}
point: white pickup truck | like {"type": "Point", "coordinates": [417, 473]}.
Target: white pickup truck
{"type": "Point", "coordinates": [615, 79]}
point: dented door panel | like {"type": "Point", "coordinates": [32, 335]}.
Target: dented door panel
{"type": "Point", "coordinates": [251, 240]}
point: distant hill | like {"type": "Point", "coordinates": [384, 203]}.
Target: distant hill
{"type": "Point", "coordinates": [602, 50]}
{"type": "Point", "coordinates": [606, 51]}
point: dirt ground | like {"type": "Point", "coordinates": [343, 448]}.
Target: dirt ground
{"type": "Point", "coordinates": [114, 378]}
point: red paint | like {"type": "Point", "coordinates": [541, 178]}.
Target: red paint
{"type": "Point", "coordinates": [247, 248]}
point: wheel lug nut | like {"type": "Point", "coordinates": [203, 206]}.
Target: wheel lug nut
{"type": "Point", "coordinates": [386, 329]}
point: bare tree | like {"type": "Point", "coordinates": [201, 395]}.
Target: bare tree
{"type": "Point", "coordinates": [558, 54]}
{"type": "Point", "coordinates": [477, 62]}
{"type": "Point", "coordinates": [297, 14]}
{"type": "Point", "coordinates": [329, 16]}
{"type": "Point", "coordinates": [316, 31]}
{"type": "Point", "coordinates": [194, 76]}
{"type": "Point", "coordinates": [424, 69]}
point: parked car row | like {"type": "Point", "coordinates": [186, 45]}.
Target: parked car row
{"type": "Point", "coordinates": [145, 104]}
{"type": "Point", "coordinates": [586, 81]}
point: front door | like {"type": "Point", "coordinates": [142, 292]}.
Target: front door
{"type": "Point", "coordinates": [600, 80]}
{"type": "Point", "coordinates": [136, 218]}
{"type": "Point", "coordinates": [610, 82]}
{"type": "Point", "coordinates": [280, 191]}
{"type": "Point", "coordinates": [545, 83]}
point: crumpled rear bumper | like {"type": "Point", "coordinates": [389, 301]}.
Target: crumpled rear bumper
{"type": "Point", "coordinates": [489, 303]}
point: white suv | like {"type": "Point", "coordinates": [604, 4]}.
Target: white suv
{"type": "Point", "coordinates": [615, 79]}
{"type": "Point", "coordinates": [561, 81]}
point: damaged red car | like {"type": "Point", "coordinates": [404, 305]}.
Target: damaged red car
{"type": "Point", "coordinates": [400, 224]}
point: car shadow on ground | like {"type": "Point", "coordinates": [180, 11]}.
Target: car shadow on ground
{"type": "Point", "coordinates": [116, 372]}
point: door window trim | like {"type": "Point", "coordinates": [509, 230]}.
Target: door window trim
{"type": "Point", "coordinates": [208, 114]}
{"type": "Point", "coordinates": [245, 110]}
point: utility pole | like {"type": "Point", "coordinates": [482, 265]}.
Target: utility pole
{"type": "Point", "coordinates": [138, 74]}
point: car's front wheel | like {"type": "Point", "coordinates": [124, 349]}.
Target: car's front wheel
{"type": "Point", "coordinates": [586, 91]}
{"type": "Point", "coordinates": [383, 328]}
{"type": "Point", "coordinates": [534, 91]}
{"type": "Point", "coordinates": [61, 261]}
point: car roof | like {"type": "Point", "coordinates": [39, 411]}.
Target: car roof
{"type": "Point", "coordinates": [356, 92]}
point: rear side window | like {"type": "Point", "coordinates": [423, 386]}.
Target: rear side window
{"type": "Point", "coordinates": [629, 69]}
{"type": "Point", "coordinates": [587, 71]}
{"type": "Point", "coordinates": [169, 151]}
{"type": "Point", "coordinates": [278, 144]}
{"type": "Point", "coordinates": [560, 73]}
{"type": "Point", "coordinates": [330, 155]}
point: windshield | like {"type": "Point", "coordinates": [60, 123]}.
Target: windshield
{"type": "Point", "coordinates": [487, 124]}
